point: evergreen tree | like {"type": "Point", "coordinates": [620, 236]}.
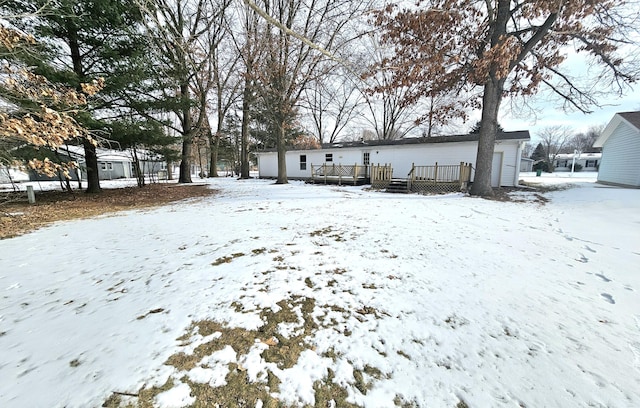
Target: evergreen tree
{"type": "Point", "coordinates": [538, 153]}
{"type": "Point", "coordinates": [87, 39]}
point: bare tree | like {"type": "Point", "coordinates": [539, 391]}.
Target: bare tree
{"type": "Point", "coordinates": [225, 80]}
{"type": "Point", "coordinates": [250, 46]}
{"type": "Point", "coordinates": [554, 139]}
{"type": "Point", "coordinates": [583, 142]}
{"type": "Point", "coordinates": [293, 62]}
{"type": "Point", "coordinates": [181, 33]}
{"type": "Point", "coordinates": [510, 48]}
{"type": "Point", "coordinates": [333, 101]}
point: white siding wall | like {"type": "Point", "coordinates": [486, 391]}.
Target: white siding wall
{"type": "Point", "coordinates": [399, 156]}
{"type": "Point", "coordinates": [620, 163]}
{"type": "Point", "coordinates": [268, 164]}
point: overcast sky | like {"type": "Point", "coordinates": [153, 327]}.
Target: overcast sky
{"type": "Point", "coordinates": [549, 112]}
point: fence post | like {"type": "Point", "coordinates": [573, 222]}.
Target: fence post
{"type": "Point", "coordinates": [31, 195]}
{"type": "Point", "coordinates": [355, 173]}
{"type": "Point", "coordinates": [324, 172]}
{"type": "Point", "coordinates": [435, 175]}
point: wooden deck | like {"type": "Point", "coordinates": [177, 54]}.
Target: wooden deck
{"type": "Point", "coordinates": [339, 174]}
{"type": "Point", "coordinates": [436, 178]}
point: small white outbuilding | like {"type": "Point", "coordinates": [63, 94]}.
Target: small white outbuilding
{"type": "Point", "coordinates": [620, 143]}
{"type": "Point", "coordinates": [402, 154]}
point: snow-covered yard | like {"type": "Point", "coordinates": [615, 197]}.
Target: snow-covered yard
{"type": "Point", "coordinates": [389, 299]}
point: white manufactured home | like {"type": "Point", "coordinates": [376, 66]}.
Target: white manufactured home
{"type": "Point", "coordinates": [620, 142]}
{"type": "Point", "coordinates": [402, 154]}
{"type": "Point", "coordinates": [584, 161]}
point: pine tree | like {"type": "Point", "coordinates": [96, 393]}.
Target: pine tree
{"type": "Point", "coordinates": [538, 153]}
{"type": "Point", "coordinates": [95, 39]}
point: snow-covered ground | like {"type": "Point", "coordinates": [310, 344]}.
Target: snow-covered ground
{"type": "Point", "coordinates": [447, 298]}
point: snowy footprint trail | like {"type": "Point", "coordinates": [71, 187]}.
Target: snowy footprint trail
{"type": "Point", "coordinates": [310, 293]}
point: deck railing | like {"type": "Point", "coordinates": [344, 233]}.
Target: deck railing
{"type": "Point", "coordinates": [340, 172]}
{"type": "Point", "coordinates": [426, 177]}
{"type": "Point", "coordinates": [380, 175]}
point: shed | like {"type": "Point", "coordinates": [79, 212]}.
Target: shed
{"type": "Point", "coordinates": [526, 164]}
{"type": "Point", "coordinates": [402, 155]}
{"type": "Point", "coordinates": [620, 142]}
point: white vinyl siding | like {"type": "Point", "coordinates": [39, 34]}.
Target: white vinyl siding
{"type": "Point", "coordinates": [400, 157]}
{"type": "Point", "coordinates": [620, 164]}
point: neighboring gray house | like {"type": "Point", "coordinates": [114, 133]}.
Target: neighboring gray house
{"type": "Point", "coordinates": [402, 154]}
{"type": "Point", "coordinates": [112, 164]}
{"type": "Point", "coordinates": [526, 165]}
{"type": "Point", "coordinates": [620, 142]}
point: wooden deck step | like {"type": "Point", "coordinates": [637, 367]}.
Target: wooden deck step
{"type": "Point", "coordinates": [398, 186]}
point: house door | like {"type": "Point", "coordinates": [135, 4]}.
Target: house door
{"type": "Point", "coordinates": [496, 169]}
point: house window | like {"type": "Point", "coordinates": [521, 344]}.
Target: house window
{"type": "Point", "coordinates": [328, 157]}
{"type": "Point", "coordinates": [303, 162]}
{"type": "Point", "coordinates": [591, 163]}
{"type": "Point", "coordinates": [109, 166]}
{"type": "Point", "coordinates": [562, 163]}
{"type": "Point", "coordinates": [365, 158]}
{"type": "Point", "coordinates": [103, 166]}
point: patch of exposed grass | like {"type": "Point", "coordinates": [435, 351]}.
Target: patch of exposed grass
{"type": "Point", "coordinates": [362, 384]}
{"type": "Point", "coordinates": [227, 259]}
{"type": "Point", "coordinates": [308, 282]}
{"type": "Point", "coordinates": [259, 251]}
{"type": "Point", "coordinates": [399, 401]}
{"type": "Point", "coordinates": [328, 394]}
{"type": "Point", "coordinates": [238, 392]}
{"type": "Point", "coordinates": [287, 350]}
{"type": "Point", "coordinates": [462, 404]}
{"type": "Point", "coordinates": [283, 350]}
{"type": "Point", "coordinates": [320, 232]}
{"type": "Point", "coordinates": [145, 397]}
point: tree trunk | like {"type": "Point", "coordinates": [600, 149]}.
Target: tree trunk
{"type": "Point", "coordinates": [486, 143]}
{"type": "Point", "coordinates": [90, 155]}
{"type": "Point", "coordinates": [282, 156]}
{"type": "Point", "coordinates": [169, 170]}
{"type": "Point", "coordinates": [244, 141]}
{"type": "Point", "coordinates": [187, 136]}
{"type": "Point", "coordinates": [91, 161]}
{"type": "Point", "coordinates": [138, 170]}
{"type": "Point", "coordinates": [185, 163]}
{"type": "Point", "coordinates": [214, 142]}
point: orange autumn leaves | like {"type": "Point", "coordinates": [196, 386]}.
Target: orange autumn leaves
{"type": "Point", "coordinates": [37, 112]}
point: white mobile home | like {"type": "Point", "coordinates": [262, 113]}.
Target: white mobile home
{"type": "Point", "coordinates": [402, 154]}
{"type": "Point", "coordinates": [582, 161]}
{"type": "Point", "coordinates": [620, 142]}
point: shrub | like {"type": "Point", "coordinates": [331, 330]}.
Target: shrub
{"type": "Point", "coordinates": [542, 165]}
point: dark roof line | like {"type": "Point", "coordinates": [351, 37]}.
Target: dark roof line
{"type": "Point", "coordinates": [471, 137]}
{"type": "Point", "coordinates": [632, 117]}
